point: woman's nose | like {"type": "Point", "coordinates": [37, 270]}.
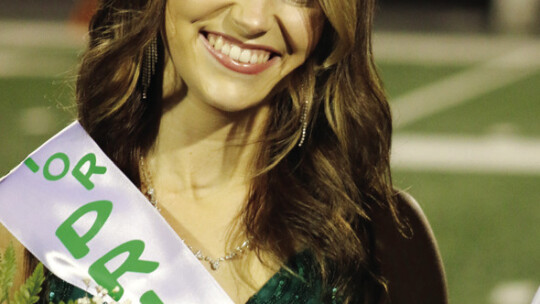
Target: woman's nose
{"type": "Point", "coordinates": [253, 17]}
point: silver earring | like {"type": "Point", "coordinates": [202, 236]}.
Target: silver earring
{"type": "Point", "coordinates": [304, 123]}
{"type": "Point", "coordinates": [149, 63]}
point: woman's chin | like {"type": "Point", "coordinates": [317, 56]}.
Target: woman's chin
{"type": "Point", "coordinates": [235, 107]}
{"type": "Point", "coordinates": [234, 103]}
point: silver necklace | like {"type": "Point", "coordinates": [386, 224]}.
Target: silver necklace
{"type": "Point", "coordinates": [150, 193]}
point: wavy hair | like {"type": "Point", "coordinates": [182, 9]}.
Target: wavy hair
{"type": "Point", "coordinates": [318, 197]}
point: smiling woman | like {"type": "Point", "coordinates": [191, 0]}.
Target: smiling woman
{"type": "Point", "coordinates": [279, 34]}
{"type": "Point", "coordinates": [260, 131]}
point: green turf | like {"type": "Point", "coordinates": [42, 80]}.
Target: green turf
{"type": "Point", "coordinates": [68, 54]}
{"type": "Point", "coordinates": [401, 78]}
{"type": "Point", "coordinates": [513, 109]}
{"type": "Point", "coordinates": [487, 227]}
{"type": "Point", "coordinates": [18, 95]}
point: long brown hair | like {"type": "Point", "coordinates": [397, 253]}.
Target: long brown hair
{"type": "Point", "coordinates": [318, 197]}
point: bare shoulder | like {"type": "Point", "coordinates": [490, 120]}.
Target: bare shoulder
{"type": "Point", "coordinates": [6, 238]}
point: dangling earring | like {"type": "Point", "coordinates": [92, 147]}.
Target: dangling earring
{"type": "Point", "coordinates": [150, 58]}
{"type": "Point", "coordinates": [304, 123]}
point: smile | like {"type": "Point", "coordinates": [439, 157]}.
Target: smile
{"type": "Point", "coordinates": [239, 57]}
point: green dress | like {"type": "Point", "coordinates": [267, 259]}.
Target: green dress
{"type": "Point", "coordinates": [302, 287]}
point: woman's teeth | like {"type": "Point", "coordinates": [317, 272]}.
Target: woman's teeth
{"type": "Point", "coordinates": [237, 53]}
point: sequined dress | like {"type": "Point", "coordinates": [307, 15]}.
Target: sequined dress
{"type": "Point", "coordinates": [302, 287]}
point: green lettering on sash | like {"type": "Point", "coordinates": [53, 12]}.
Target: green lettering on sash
{"type": "Point", "coordinates": [108, 280]}
{"type": "Point", "coordinates": [31, 164]}
{"type": "Point", "coordinates": [150, 297]}
{"type": "Point", "coordinates": [68, 236]}
{"type": "Point", "coordinates": [83, 178]}
{"type": "Point", "coordinates": [61, 156]}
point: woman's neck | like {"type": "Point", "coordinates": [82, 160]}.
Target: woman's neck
{"type": "Point", "coordinates": [202, 151]}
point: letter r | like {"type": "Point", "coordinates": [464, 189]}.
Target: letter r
{"type": "Point", "coordinates": [109, 280]}
{"type": "Point", "coordinates": [83, 178]}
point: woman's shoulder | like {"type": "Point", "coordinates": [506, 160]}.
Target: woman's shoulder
{"type": "Point", "coordinates": [409, 257]}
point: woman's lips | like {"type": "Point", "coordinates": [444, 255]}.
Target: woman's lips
{"type": "Point", "coordinates": [254, 60]}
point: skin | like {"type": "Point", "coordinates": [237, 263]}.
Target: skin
{"type": "Point", "coordinates": [200, 164]}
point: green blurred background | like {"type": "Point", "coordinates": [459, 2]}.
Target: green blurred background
{"type": "Point", "coordinates": [467, 140]}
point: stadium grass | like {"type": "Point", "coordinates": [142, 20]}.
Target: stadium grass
{"type": "Point", "coordinates": [19, 95]}
{"type": "Point", "coordinates": [403, 77]}
{"type": "Point", "coordinates": [513, 109]}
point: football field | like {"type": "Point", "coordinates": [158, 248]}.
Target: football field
{"type": "Point", "coordinates": [466, 143]}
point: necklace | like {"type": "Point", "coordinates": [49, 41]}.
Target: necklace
{"type": "Point", "coordinates": [150, 193]}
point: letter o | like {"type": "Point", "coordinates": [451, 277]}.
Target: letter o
{"type": "Point", "coordinates": [61, 156]}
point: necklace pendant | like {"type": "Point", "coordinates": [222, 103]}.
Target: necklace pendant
{"type": "Point", "coordinates": [214, 264]}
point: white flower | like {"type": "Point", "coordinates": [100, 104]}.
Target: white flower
{"type": "Point", "coordinates": [85, 300]}
{"type": "Point", "coordinates": [99, 289]}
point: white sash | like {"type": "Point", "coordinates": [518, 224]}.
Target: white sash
{"type": "Point", "coordinates": [84, 219]}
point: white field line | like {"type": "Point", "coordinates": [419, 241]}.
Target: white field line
{"type": "Point", "coordinates": [513, 292]}
{"type": "Point", "coordinates": [462, 87]}
{"type": "Point", "coordinates": [20, 42]}
{"type": "Point", "coordinates": [489, 154]}
{"type": "Point", "coordinates": [37, 121]}
{"type": "Point", "coordinates": [22, 64]}
{"type": "Point", "coordinates": [441, 48]}
{"type": "Point", "coordinates": [41, 34]}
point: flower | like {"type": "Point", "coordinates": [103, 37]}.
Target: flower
{"type": "Point", "coordinates": [85, 300]}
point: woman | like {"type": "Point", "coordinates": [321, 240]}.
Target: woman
{"type": "Point", "coordinates": [259, 125]}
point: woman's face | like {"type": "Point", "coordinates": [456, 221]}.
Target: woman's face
{"type": "Point", "coordinates": [230, 54]}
